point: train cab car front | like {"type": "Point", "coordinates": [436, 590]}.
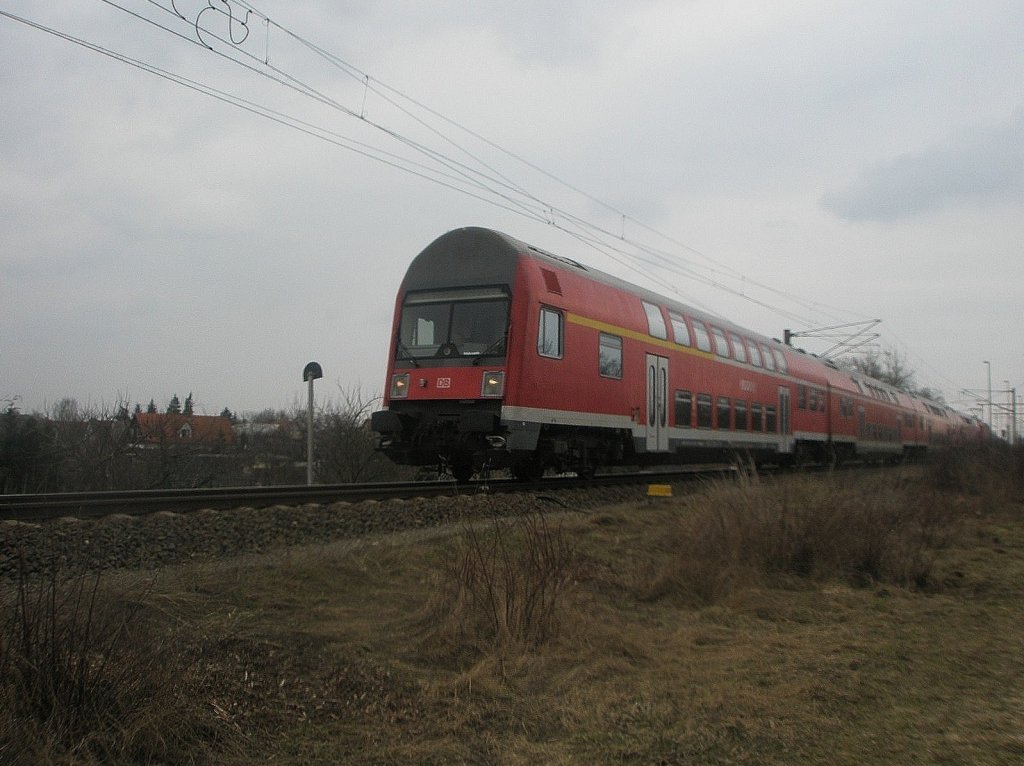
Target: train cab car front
{"type": "Point", "coordinates": [447, 375]}
{"type": "Point", "coordinates": [445, 416]}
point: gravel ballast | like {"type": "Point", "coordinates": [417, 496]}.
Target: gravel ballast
{"type": "Point", "coordinates": [162, 538]}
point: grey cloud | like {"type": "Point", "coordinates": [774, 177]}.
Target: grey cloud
{"type": "Point", "coordinates": [986, 165]}
{"type": "Point", "coordinates": [553, 34]}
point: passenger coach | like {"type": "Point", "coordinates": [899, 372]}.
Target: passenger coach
{"type": "Point", "coordinates": [504, 355]}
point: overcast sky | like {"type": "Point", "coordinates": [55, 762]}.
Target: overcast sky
{"type": "Point", "coordinates": [787, 165]}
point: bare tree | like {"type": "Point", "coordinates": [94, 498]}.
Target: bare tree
{"type": "Point", "coordinates": [345, 446]}
{"type": "Point", "coordinates": [892, 367]}
{"type": "Point", "coordinates": [888, 366]}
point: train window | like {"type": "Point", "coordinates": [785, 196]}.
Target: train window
{"type": "Point", "coordinates": [755, 354]}
{"type": "Point", "coordinates": [801, 397]}
{"type": "Point", "coordinates": [703, 339]}
{"type": "Point", "coordinates": [769, 360]}
{"type": "Point", "coordinates": [757, 417]}
{"type": "Point", "coordinates": [549, 333]}
{"type": "Point", "coordinates": [655, 321]}
{"type": "Point", "coordinates": [724, 413]}
{"type": "Point", "coordinates": [771, 424]}
{"type": "Point", "coordinates": [704, 411]}
{"type": "Point", "coordinates": [464, 322]}
{"type": "Point", "coordinates": [780, 361]}
{"type": "Point", "coordinates": [680, 330]}
{"type": "Point", "coordinates": [721, 344]}
{"type": "Point", "coordinates": [684, 409]}
{"type": "Point", "coordinates": [738, 349]}
{"type": "Point", "coordinates": [610, 356]}
{"type": "Point", "coordinates": [741, 415]}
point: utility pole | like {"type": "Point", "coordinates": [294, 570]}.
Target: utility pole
{"type": "Point", "coordinates": [1013, 416]}
{"type": "Point", "coordinates": [989, 366]}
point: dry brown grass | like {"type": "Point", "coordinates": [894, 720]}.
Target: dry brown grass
{"type": "Point", "coordinates": [854, 529]}
{"type": "Point", "coordinates": [92, 673]}
{"type": "Point", "coordinates": [502, 588]}
{"type": "Point", "coordinates": [811, 620]}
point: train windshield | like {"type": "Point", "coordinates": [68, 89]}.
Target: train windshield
{"type": "Point", "coordinates": [453, 323]}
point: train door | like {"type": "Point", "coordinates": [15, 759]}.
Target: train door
{"type": "Point", "coordinates": [785, 428]}
{"type": "Point", "coordinates": [657, 403]}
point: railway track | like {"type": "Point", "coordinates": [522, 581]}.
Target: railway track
{"type": "Point", "coordinates": [86, 505]}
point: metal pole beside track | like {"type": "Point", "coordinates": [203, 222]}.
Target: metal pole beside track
{"type": "Point", "coordinates": [989, 366]}
{"type": "Point", "coordinates": [311, 372]}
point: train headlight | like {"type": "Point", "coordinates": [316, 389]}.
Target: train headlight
{"type": "Point", "coordinates": [400, 386]}
{"type": "Point", "coordinates": [493, 384]}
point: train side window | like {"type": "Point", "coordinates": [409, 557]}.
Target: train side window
{"type": "Point", "coordinates": [684, 409]}
{"type": "Point", "coordinates": [655, 321]}
{"type": "Point", "coordinates": [769, 360]}
{"type": "Point", "coordinates": [550, 333]}
{"type": "Point", "coordinates": [741, 415]}
{"type": "Point", "coordinates": [680, 330]}
{"type": "Point", "coordinates": [610, 356]}
{"type": "Point", "coordinates": [771, 423]}
{"type": "Point", "coordinates": [757, 417]}
{"type": "Point", "coordinates": [704, 411]}
{"type": "Point", "coordinates": [721, 344]}
{"type": "Point", "coordinates": [703, 339]}
{"type": "Point", "coordinates": [755, 354]}
{"type": "Point", "coordinates": [724, 413]}
{"type": "Point", "coordinates": [738, 349]}
{"type": "Point", "coordinates": [780, 361]}
{"type": "Point", "coordinates": [846, 407]}
{"type": "Point", "coordinates": [801, 397]}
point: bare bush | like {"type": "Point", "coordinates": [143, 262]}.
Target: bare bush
{"type": "Point", "coordinates": [744, 534]}
{"type": "Point", "coordinates": [90, 676]}
{"type": "Point", "coordinates": [506, 585]}
{"type": "Point", "coordinates": [993, 473]}
{"type": "Point", "coordinates": [345, 445]}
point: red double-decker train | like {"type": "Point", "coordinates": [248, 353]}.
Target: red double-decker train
{"type": "Point", "coordinates": [504, 355]}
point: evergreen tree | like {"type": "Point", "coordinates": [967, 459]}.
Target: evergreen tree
{"type": "Point", "coordinates": [174, 406]}
{"type": "Point", "coordinates": [151, 407]}
{"type": "Point", "coordinates": [188, 404]}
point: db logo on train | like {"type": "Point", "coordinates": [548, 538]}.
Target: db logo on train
{"type": "Point", "coordinates": [444, 382]}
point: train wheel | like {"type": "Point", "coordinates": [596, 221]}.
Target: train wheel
{"type": "Point", "coordinates": [462, 472]}
{"type": "Point", "coordinates": [528, 468]}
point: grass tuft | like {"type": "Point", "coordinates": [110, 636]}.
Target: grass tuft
{"type": "Point", "coordinates": [503, 586]}
{"type": "Point", "coordinates": [93, 675]}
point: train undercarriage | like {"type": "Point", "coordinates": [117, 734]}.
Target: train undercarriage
{"type": "Point", "coordinates": [461, 442]}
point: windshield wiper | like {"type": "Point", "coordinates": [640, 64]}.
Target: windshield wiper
{"type": "Point", "coordinates": [491, 350]}
{"type": "Point", "coordinates": [403, 349]}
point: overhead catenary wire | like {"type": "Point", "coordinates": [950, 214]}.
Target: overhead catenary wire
{"type": "Point", "coordinates": [475, 178]}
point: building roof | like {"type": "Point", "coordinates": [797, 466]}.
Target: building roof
{"type": "Point", "coordinates": [171, 428]}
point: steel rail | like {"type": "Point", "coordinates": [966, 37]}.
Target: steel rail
{"type": "Point", "coordinates": [84, 505]}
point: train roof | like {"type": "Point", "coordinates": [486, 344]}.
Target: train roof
{"type": "Point", "coordinates": [474, 255]}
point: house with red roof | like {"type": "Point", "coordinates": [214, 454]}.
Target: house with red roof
{"type": "Point", "coordinates": [174, 429]}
